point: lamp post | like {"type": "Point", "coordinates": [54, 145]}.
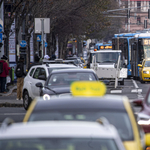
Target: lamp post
{"type": "Point", "coordinates": [128, 16]}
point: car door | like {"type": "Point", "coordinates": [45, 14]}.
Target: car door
{"type": "Point", "coordinates": [35, 90]}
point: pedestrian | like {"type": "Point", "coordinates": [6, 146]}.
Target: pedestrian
{"type": "Point", "coordinates": [20, 74]}
{"type": "Point", "coordinates": [46, 58]}
{"type": "Point", "coordinates": [53, 56]}
{"type": "Point", "coordinates": [69, 54]}
{"type": "Point", "coordinates": [4, 69]}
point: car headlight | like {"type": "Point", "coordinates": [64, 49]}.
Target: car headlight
{"type": "Point", "coordinates": [144, 122]}
{"type": "Point", "coordinates": [146, 72]}
{"type": "Point", "coordinates": [46, 97]}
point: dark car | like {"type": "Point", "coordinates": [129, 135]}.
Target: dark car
{"type": "Point", "coordinates": [59, 81]}
{"type": "Point", "coordinates": [144, 114]}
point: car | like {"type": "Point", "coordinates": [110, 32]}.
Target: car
{"type": "Point", "coordinates": [56, 135]}
{"type": "Point", "coordinates": [144, 114]}
{"type": "Point", "coordinates": [36, 74]}
{"type": "Point", "coordinates": [59, 81]}
{"type": "Point", "coordinates": [116, 109]}
{"type": "Point", "coordinates": [77, 61]}
{"type": "Point", "coordinates": [144, 71]}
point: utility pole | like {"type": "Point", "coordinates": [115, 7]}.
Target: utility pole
{"type": "Point", "coordinates": [128, 16]}
{"type": "Point", "coordinates": [42, 30]}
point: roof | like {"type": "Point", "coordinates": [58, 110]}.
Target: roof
{"type": "Point", "coordinates": [73, 70]}
{"type": "Point", "coordinates": [58, 129]}
{"type": "Point", "coordinates": [110, 102]}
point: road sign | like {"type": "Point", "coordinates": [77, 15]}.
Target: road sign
{"type": "Point", "coordinates": [38, 38]}
{"type": "Point", "coordinates": [1, 37]}
{"type": "Point", "coordinates": [23, 43]}
{"type": "Point", "coordinates": [1, 28]}
{"type": "Point", "coordinates": [45, 44]}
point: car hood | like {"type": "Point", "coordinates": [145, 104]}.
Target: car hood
{"type": "Point", "coordinates": [60, 90]}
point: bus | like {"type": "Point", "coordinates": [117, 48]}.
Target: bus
{"type": "Point", "coordinates": [123, 42]}
{"type": "Point", "coordinates": [140, 50]}
{"type": "Point", "coordinates": [135, 47]}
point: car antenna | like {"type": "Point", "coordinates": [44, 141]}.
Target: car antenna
{"type": "Point", "coordinates": [47, 64]}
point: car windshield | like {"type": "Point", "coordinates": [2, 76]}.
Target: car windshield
{"type": "Point", "coordinates": [58, 144]}
{"type": "Point", "coordinates": [119, 119]}
{"type": "Point", "coordinates": [147, 64]}
{"type": "Point", "coordinates": [57, 68]}
{"type": "Point", "coordinates": [105, 57]}
{"type": "Point", "coordinates": [67, 78]}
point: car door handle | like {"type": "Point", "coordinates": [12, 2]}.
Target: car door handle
{"type": "Point", "coordinates": [30, 82]}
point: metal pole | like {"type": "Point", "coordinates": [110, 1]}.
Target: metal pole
{"type": "Point", "coordinates": [128, 16]}
{"type": "Point", "coordinates": [42, 29]}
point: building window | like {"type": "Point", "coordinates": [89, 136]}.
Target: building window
{"type": "Point", "coordinates": [149, 4]}
{"type": "Point", "coordinates": [138, 5]}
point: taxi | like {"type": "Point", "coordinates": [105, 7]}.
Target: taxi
{"type": "Point", "coordinates": [62, 135]}
{"type": "Point", "coordinates": [88, 103]}
{"type": "Point", "coordinates": [144, 70]}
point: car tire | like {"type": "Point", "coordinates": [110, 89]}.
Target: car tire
{"type": "Point", "coordinates": [26, 100]}
{"type": "Point", "coordinates": [122, 82]}
{"type": "Point", "coordinates": [142, 81]}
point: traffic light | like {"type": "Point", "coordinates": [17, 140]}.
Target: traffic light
{"type": "Point", "coordinates": [145, 24]}
{"type": "Point", "coordinates": [148, 13]}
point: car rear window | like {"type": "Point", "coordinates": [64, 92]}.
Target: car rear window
{"type": "Point", "coordinates": [119, 119]}
{"type": "Point", "coordinates": [68, 78]}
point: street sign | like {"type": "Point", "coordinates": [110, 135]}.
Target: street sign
{"type": "Point", "coordinates": [1, 37]}
{"type": "Point", "coordinates": [1, 28]}
{"type": "Point", "coordinates": [23, 43]}
{"type": "Point", "coordinates": [45, 44]}
{"type": "Point", "coordinates": [38, 38]}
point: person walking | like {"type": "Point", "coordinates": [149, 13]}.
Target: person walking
{"type": "Point", "coordinates": [19, 71]}
{"type": "Point", "coordinates": [4, 69]}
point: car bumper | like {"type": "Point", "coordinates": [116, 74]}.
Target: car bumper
{"type": "Point", "coordinates": [146, 77]}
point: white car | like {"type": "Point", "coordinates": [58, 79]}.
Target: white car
{"type": "Point", "coordinates": [60, 135]}
{"type": "Point", "coordinates": [35, 75]}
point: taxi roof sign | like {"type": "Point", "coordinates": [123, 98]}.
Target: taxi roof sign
{"type": "Point", "coordinates": [88, 88]}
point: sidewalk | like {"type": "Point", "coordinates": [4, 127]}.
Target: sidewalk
{"type": "Point", "coordinates": [9, 99]}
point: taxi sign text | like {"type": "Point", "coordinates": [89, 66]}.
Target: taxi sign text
{"type": "Point", "coordinates": [88, 88]}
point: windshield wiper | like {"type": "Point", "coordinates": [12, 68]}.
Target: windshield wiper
{"type": "Point", "coordinates": [50, 89]}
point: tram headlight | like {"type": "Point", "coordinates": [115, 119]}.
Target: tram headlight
{"type": "Point", "coordinates": [46, 97]}
{"type": "Point", "coordinates": [146, 72]}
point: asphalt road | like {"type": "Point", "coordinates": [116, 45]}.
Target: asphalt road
{"type": "Point", "coordinates": [133, 89]}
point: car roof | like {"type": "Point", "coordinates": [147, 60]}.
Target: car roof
{"type": "Point", "coordinates": [73, 70]}
{"type": "Point", "coordinates": [55, 65]}
{"type": "Point", "coordinates": [57, 129]}
{"type": "Point", "coordinates": [107, 102]}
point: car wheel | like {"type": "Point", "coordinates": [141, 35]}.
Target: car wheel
{"type": "Point", "coordinates": [122, 82]}
{"type": "Point", "coordinates": [26, 100]}
{"type": "Point", "coordinates": [142, 81]}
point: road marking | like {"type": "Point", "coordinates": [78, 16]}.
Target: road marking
{"type": "Point", "coordinates": [135, 84]}
{"type": "Point", "coordinates": [116, 91]}
{"type": "Point", "coordinates": [136, 91]}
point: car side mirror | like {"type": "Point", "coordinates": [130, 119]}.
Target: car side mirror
{"type": "Point", "coordinates": [42, 77]}
{"type": "Point", "coordinates": [137, 102]}
{"type": "Point", "coordinates": [39, 84]}
{"type": "Point", "coordinates": [139, 65]}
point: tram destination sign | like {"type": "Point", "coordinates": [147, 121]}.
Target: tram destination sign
{"type": "Point", "coordinates": [146, 41]}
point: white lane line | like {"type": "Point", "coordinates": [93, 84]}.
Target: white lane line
{"type": "Point", "coordinates": [136, 91]}
{"type": "Point", "coordinates": [135, 84]}
{"type": "Point", "coordinates": [116, 91]}
{"type": "Point", "coordinates": [11, 114]}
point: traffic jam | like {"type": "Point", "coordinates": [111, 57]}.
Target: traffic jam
{"type": "Point", "coordinates": [67, 107]}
